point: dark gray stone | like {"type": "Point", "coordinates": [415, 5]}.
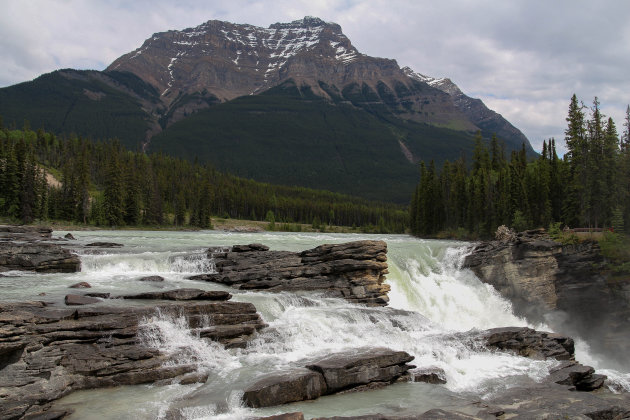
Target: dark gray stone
{"type": "Point", "coordinates": [80, 300]}
{"type": "Point", "coordinates": [182, 294]}
{"type": "Point", "coordinates": [80, 285]}
{"type": "Point", "coordinates": [354, 271]}
{"type": "Point", "coordinates": [47, 352]}
{"type": "Point", "coordinates": [152, 278]}
{"type": "Point", "coordinates": [104, 244]}
{"type": "Point", "coordinates": [292, 386]}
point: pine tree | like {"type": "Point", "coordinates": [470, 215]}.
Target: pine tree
{"type": "Point", "coordinates": [113, 194]}
{"type": "Point", "coordinates": [576, 204]}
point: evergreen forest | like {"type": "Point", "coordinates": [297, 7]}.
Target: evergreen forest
{"type": "Point", "coordinates": [588, 188]}
{"type": "Point", "coordinates": [44, 177]}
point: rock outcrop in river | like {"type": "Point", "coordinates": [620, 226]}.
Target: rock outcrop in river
{"type": "Point", "coordinates": [48, 352]}
{"type": "Point", "coordinates": [21, 248]}
{"type": "Point", "coordinates": [363, 368]}
{"type": "Point", "coordinates": [353, 270]}
{"type": "Point", "coordinates": [547, 280]}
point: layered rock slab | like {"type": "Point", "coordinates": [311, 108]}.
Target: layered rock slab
{"type": "Point", "coordinates": [336, 373]}
{"type": "Point", "coordinates": [46, 352]}
{"type": "Point", "coordinates": [24, 248]}
{"type": "Point", "coordinates": [354, 271]}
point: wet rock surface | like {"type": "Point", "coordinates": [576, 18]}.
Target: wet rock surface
{"type": "Point", "coordinates": [338, 372]}
{"type": "Point", "coordinates": [354, 270]}
{"type": "Point", "coordinates": [48, 352]}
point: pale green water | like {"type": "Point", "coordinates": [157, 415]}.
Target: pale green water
{"type": "Point", "coordinates": [439, 299]}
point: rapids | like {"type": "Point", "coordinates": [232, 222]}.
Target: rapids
{"type": "Point", "coordinates": [433, 304]}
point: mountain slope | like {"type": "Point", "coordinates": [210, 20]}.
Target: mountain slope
{"type": "Point", "coordinates": [289, 135]}
{"type": "Point", "coordinates": [294, 103]}
{"type": "Point", "coordinates": [87, 103]}
{"type": "Point", "coordinates": [488, 121]}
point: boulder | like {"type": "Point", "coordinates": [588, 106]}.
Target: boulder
{"type": "Point", "coordinates": [70, 236]}
{"type": "Point", "coordinates": [342, 371]}
{"type": "Point", "coordinates": [80, 285]}
{"type": "Point", "coordinates": [530, 343]}
{"type": "Point", "coordinates": [295, 385]}
{"type": "Point", "coordinates": [429, 374]}
{"type": "Point", "coordinates": [48, 352]}
{"type": "Point", "coordinates": [152, 278]}
{"type": "Point", "coordinates": [24, 233]}
{"type": "Point", "coordinates": [104, 244]}
{"type": "Point", "coordinates": [354, 271]}
{"type": "Point", "coordinates": [359, 369]}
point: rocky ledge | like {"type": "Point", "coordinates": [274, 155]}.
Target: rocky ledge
{"type": "Point", "coordinates": [354, 270]}
{"type": "Point", "coordinates": [355, 370]}
{"type": "Point", "coordinates": [546, 280]}
{"type": "Point", "coordinates": [21, 248]}
{"type": "Point", "coordinates": [47, 352]}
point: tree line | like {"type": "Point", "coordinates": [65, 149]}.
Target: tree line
{"type": "Point", "coordinates": [102, 183]}
{"type": "Point", "coordinates": [589, 187]}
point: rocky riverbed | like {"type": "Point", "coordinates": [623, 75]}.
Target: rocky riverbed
{"type": "Point", "coordinates": [94, 339]}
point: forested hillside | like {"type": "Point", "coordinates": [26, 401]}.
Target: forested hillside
{"type": "Point", "coordinates": [589, 187]}
{"type": "Point", "coordinates": [104, 184]}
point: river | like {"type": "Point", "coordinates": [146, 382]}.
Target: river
{"type": "Point", "coordinates": [433, 301]}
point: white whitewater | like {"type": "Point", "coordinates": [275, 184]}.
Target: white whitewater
{"type": "Point", "coordinates": [433, 304]}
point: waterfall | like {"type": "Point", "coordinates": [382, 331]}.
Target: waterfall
{"type": "Point", "coordinates": [435, 307]}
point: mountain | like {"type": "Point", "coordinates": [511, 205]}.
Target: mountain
{"type": "Point", "coordinates": [294, 103]}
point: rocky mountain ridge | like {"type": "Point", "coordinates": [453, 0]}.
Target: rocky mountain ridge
{"type": "Point", "coordinates": [218, 61]}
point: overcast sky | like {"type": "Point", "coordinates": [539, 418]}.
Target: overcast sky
{"type": "Point", "coordinates": [523, 58]}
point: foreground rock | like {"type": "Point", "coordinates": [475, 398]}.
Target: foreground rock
{"type": "Point", "coordinates": [46, 352]}
{"type": "Point", "coordinates": [354, 271]}
{"type": "Point", "coordinates": [333, 374]}
{"type": "Point", "coordinates": [564, 284]}
{"type": "Point", "coordinates": [24, 233]}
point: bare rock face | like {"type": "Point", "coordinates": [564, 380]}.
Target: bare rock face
{"type": "Point", "coordinates": [46, 353]}
{"type": "Point", "coordinates": [330, 375]}
{"type": "Point", "coordinates": [354, 270]}
{"type": "Point", "coordinates": [40, 257]}
{"type": "Point", "coordinates": [218, 61]}
{"type": "Point", "coordinates": [543, 277]}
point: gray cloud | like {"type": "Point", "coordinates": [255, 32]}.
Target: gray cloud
{"type": "Point", "coordinates": [524, 58]}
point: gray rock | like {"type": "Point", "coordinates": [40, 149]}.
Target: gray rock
{"type": "Point", "coordinates": [565, 285]}
{"type": "Point", "coordinates": [70, 236]}
{"type": "Point", "coordinates": [80, 285]}
{"type": "Point", "coordinates": [80, 300]}
{"type": "Point", "coordinates": [47, 352]}
{"type": "Point", "coordinates": [354, 271]}
{"type": "Point", "coordinates": [182, 294]}
{"type": "Point", "coordinates": [39, 257]}
{"type": "Point", "coordinates": [292, 386]}
{"type": "Point", "coordinates": [104, 244]}
{"type": "Point", "coordinates": [429, 374]}
{"type": "Point", "coordinates": [530, 343]}
{"type": "Point", "coordinates": [152, 278]}
{"type": "Point", "coordinates": [351, 369]}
